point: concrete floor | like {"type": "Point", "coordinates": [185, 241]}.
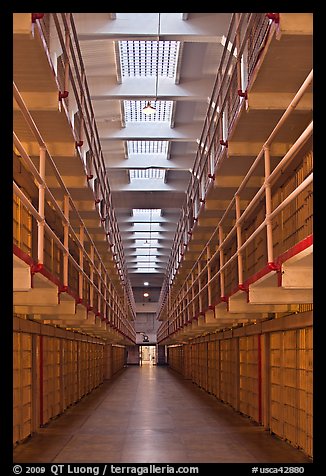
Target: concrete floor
{"type": "Point", "coordinates": [150, 414]}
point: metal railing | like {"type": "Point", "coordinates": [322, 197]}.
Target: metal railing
{"type": "Point", "coordinates": [59, 37]}
{"type": "Point", "coordinates": [225, 251]}
{"type": "Point", "coordinates": [83, 269]}
{"type": "Point", "coordinates": [242, 46]}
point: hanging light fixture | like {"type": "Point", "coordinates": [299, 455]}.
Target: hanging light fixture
{"type": "Point", "coordinates": [149, 109]}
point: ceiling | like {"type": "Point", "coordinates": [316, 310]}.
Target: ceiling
{"type": "Point", "coordinates": [171, 60]}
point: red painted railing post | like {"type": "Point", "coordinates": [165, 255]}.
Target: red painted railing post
{"type": "Point", "coordinates": [259, 380]}
{"type": "Point", "coordinates": [41, 380]}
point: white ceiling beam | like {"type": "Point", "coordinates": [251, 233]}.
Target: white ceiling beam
{"type": "Point", "coordinates": [148, 185]}
{"type": "Point", "coordinates": [106, 88]}
{"type": "Point", "coordinates": [209, 27]}
{"type": "Point", "coordinates": [149, 131]}
{"type": "Point", "coordinates": [140, 161]}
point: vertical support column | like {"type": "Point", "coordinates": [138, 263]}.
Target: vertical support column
{"type": "Point", "coordinates": [99, 285]}
{"type": "Point", "coordinates": [265, 373]}
{"type": "Point", "coordinates": [259, 358]}
{"type": "Point", "coordinates": [200, 297]}
{"type": "Point", "coordinates": [91, 276]}
{"type": "Point", "coordinates": [186, 314]}
{"type": "Point", "coordinates": [238, 45]}
{"type": "Point", "coordinates": [239, 239]}
{"type": "Point", "coordinates": [209, 275]}
{"type": "Point", "coordinates": [81, 263]}
{"type": "Point", "coordinates": [108, 302]}
{"type": "Point", "coordinates": [41, 201]}
{"type": "Point", "coordinates": [193, 295]}
{"type": "Point", "coordinates": [67, 47]}
{"type": "Point", "coordinates": [82, 100]}
{"type": "Point", "coordinates": [236, 357]}
{"type": "Point", "coordinates": [169, 302]}
{"type": "Point", "coordinates": [105, 295]}
{"type": "Point", "coordinates": [35, 382]}
{"type": "Point", "coordinates": [268, 204]}
{"type": "Point", "coordinates": [41, 380]}
{"type": "Point", "coordinates": [66, 241]}
{"type": "Point", "coordinates": [220, 238]}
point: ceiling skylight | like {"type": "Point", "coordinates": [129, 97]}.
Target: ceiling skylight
{"type": "Point", "coordinates": [147, 147]}
{"type": "Point", "coordinates": [134, 111]}
{"type": "Point", "coordinates": [148, 58]}
{"type": "Point", "coordinates": [151, 174]}
{"type": "Point", "coordinates": [146, 212]}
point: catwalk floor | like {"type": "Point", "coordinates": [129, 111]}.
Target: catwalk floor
{"type": "Point", "coordinates": [150, 414]}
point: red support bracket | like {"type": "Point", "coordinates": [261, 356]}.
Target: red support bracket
{"type": "Point", "coordinates": [274, 266]}
{"type": "Point", "coordinates": [202, 200]}
{"type": "Point", "coordinates": [62, 289]}
{"type": "Point", "coordinates": [211, 176]}
{"type": "Point", "coordinates": [224, 299]}
{"type": "Point", "coordinates": [97, 200]}
{"type": "Point", "coordinates": [242, 94]}
{"type": "Point", "coordinates": [79, 300]}
{"type": "Point", "coordinates": [79, 143]}
{"type": "Point", "coordinates": [242, 287]}
{"type": "Point", "coordinates": [224, 142]}
{"type": "Point", "coordinates": [89, 308]}
{"type": "Point", "coordinates": [103, 219]}
{"type": "Point", "coordinates": [36, 268]}
{"type": "Point", "coordinates": [189, 232]}
{"type": "Point", "coordinates": [37, 16]}
{"type": "Point", "coordinates": [89, 177]}
{"type": "Point", "coordinates": [63, 95]}
{"type": "Point", "coordinates": [275, 17]}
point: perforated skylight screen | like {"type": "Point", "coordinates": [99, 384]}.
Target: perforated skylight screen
{"type": "Point", "coordinates": [133, 111]}
{"type": "Point", "coordinates": [147, 147]}
{"type": "Point", "coordinates": [146, 212]}
{"type": "Point", "coordinates": [152, 174]}
{"type": "Point", "coordinates": [148, 58]}
{"type": "Point", "coordinates": [146, 243]}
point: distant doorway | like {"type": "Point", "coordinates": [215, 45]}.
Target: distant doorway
{"type": "Point", "coordinates": [147, 354]}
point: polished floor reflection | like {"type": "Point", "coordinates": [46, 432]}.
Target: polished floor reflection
{"type": "Point", "coordinates": [150, 414]}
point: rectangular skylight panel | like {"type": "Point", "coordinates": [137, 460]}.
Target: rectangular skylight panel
{"type": "Point", "coordinates": [145, 242]}
{"type": "Point", "coordinates": [144, 212]}
{"type": "Point", "coordinates": [146, 258]}
{"type": "Point", "coordinates": [147, 147]}
{"type": "Point", "coordinates": [148, 58]}
{"type": "Point", "coordinates": [152, 174]}
{"type": "Point", "coordinates": [146, 270]}
{"type": "Point", "coordinates": [133, 111]}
